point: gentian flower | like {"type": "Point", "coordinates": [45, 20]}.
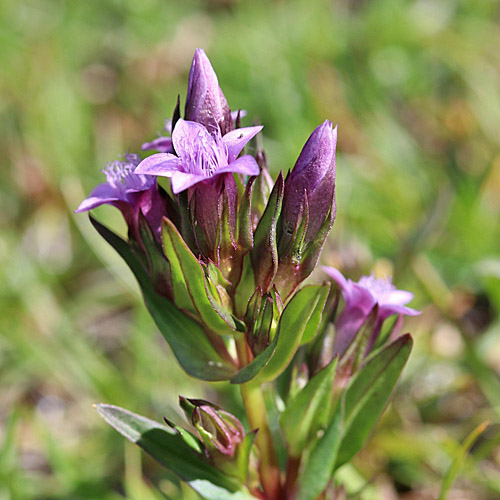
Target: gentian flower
{"type": "Point", "coordinates": [360, 298]}
{"type": "Point", "coordinates": [163, 143]}
{"type": "Point", "coordinates": [220, 432]}
{"type": "Point", "coordinates": [205, 102]}
{"type": "Point", "coordinates": [201, 156]}
{"type": "Point", "coordinates": [312, 182]}
{"type": "Point", "coordinates": [308, 210]}
{"type": "Point", "coordinates": [129, 192]}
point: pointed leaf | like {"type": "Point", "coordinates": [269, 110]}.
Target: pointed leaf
{"type": "Point", "coordinates": [368, 393]}
{"type": "Point", "coordinates": [321, 460]}
{"type": "Point", "coordinates": [164, 444]}
{"type": "Point", "coordinates": [459, 459]}
{"type": "Point", "coordinates": [195, 280]}
{"type": "Point", "coordinates": [299, 317]}
{"type": "Point", "coordinates": [188, 341]}
{"type": "Point", "coordinates": [305, 413]}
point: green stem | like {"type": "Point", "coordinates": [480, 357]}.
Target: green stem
{"type": "Point", "coordinates": [255, 406]}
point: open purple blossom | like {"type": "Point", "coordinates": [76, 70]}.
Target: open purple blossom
{"type": "Point", "coordinates": [128, 191]}
{"type": "Point", "coordinates": [201, 156]}
{"type": "Point", "coordinates": [163, 143]}
{"type": "Point", "coordinates": [360, 298]}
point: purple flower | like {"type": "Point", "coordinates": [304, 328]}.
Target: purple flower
{"type": "Point", "coordinates": [129, 192]}
{"type": "Point", "coordinates": [205, 102]}
{"type": "Point", "coordinates": [201, 156]}
{"type": "Point", "coordinates": [163, 143]}
{"type": "Point", "coordinates": [360, 298]}
{"type": "Point", "coordinates": [312, 182]}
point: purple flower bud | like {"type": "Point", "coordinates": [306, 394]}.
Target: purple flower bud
{"type": "Point", "coordinates": [310, 187]}
{"type": "Point", "coordinates": [129, 192]}
{"type": "Point", "coordinates": [220, 432]}
{"type": "Point", "coordinates": [360, 298]}
{"type": "Point", "coordinates": [205, 102]}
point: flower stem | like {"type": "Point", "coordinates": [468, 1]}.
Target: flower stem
{"type": "Point", "coordinates": [253, 399]}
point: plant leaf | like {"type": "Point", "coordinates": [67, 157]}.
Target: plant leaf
{"type": "Point", "coordinates": [195, 279]}
{"type": "Point", "coordinates": [459, 459]}
{"type": "Point", "coordinates": [300, 316]}
{"type": "Point", "coordinates": [188, 341]}
{"type": "Point", "coordinates": [168, 447]}
{"type": "Point", "coordinates": [321, 460]}
{"type": "Point", "coordinates": [294, 321]}
{"type": "Point", "coordinates": [368, 393]}
{"type": "Point", "coordinates": [305, 413]}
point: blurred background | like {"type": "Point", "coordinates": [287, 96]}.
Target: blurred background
{"type": "Point", "coordinates": [415, 89]}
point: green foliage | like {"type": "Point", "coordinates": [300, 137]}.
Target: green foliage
{"type": "Point", "coordinates": [413, 87]}
{"type": "Point", "coordinates": [188, 341]}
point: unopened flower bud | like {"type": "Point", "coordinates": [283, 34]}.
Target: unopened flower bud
{"type": "Point", "coordinates": [205, 102]}
{"type": "Point", "coordinates": [310, 187]}
{"type": "Point", "coordinates": [220, 432]}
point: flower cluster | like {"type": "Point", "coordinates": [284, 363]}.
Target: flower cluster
{"type": "Point", "coordinates": [224, 246]}
{"type": "Point", "coordinates": [221, 253]}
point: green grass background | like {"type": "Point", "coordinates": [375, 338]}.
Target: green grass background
{"type": "Point", "coordinates": [414, 87]}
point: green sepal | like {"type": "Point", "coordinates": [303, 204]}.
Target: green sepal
{"type": "Point", "coordinates": [188, 341]}
{"type": "Point", "coordinates": [356, 350]}
{"type": "Point", "coordinates": [195, 280]}
{"type": "Point", "coordinates": [306, 413]}
{"type": "Point", "coordinates": [245, 287]}
{"type": "Point", "coordinates": [297, 318]}
{"type": "Point", "coordinates": [159, 267]}
{"type": "Point", "coordinates": [321, 460]}
{"type": "Point", "coordinates": [245, 229]}
{"type": "Point", "coordinates": [311, 253]}
{"type": "Point", "coordinates": [217, 295]}
{"type": "Point", "coordinates": [170, 449]}
{"type": "Point", "coordinates": [300, 317]}
{"type": "Point", "coordinates": [264, 253]}
{"type": "Point", "coordinates": [368, 393]}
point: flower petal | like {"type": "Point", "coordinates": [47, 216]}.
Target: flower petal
{"type": "Point", "coordinates": [181, 181]}
{"type": "Point", "coordinates": [236, 139]}
{"type": "Point", "coordinates": [162, 144]}
{"type": "Point", "coordinates": [246, 165]}
{"type": "Point", "coordinates": [387, 310]}
{"type": "Point", "coordinates": [400, 297]}
{"type": "Point", "coordinates": [103, 193]}
{"type": "Point", "coordinates": [163, 164]}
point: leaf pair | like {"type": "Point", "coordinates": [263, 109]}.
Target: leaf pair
{"type": "Point", "coordinates": [175, 451]}
{"type": "Point", "coordinates": [198, 355]}
{"type": "Point", "coordinates": [300, 320]}
{"type": "Point", "coordinates": [356, 413]}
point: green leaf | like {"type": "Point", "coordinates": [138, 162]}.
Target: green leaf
{"type": "Point", "coordinates": [316, 316]}
{"type": "Point", "coordinates": [188, 341]}
{"type": "Point", "coordinates": [169, 448]}
{"type": "Point", "coordinates": [195, 280]}
{"type": "Point", "coordinates": [459, 459]}
{"type": "Point", "coordinates": [299, 317]}
{"type": "Point", "coordinates": [368, 393]}
{"type": "Point", "coordinates": [321, 460]}
{"type": "Point", "coordinates": [305, 413]}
